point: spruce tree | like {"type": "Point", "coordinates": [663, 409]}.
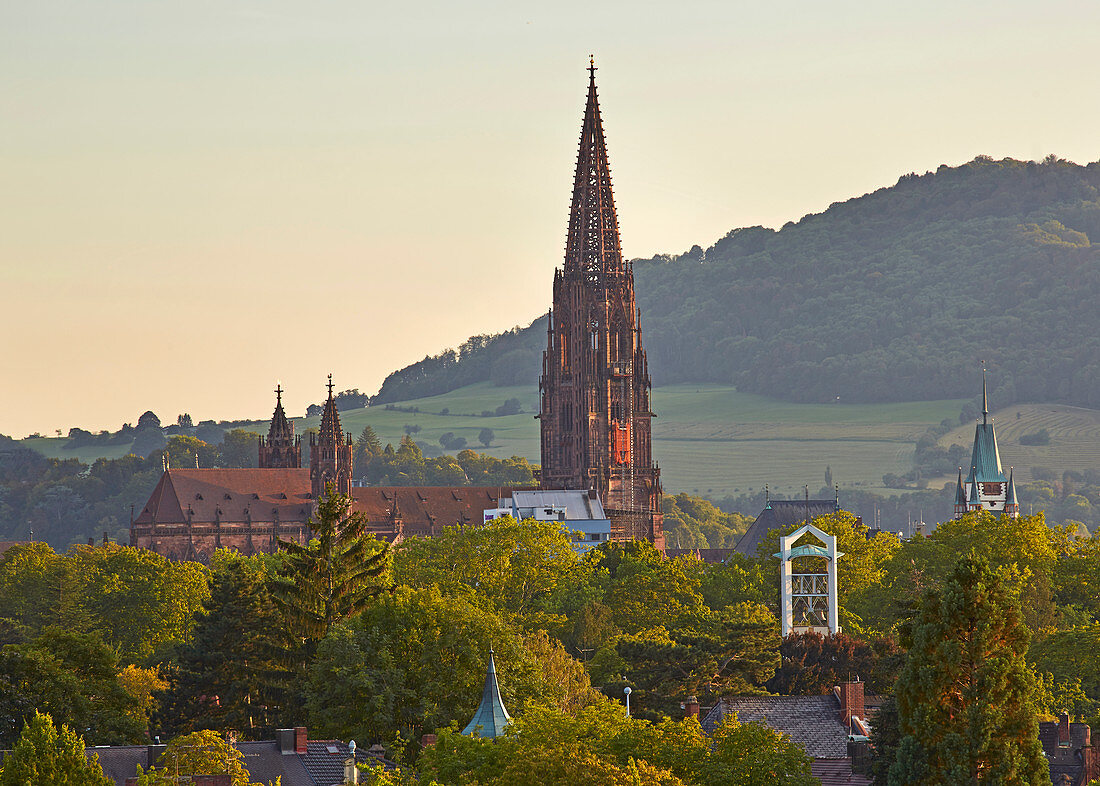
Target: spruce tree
{"type": "Point", "coordinates": [966, 696]}
{"type": "Point", "coordinates": [335, 575]}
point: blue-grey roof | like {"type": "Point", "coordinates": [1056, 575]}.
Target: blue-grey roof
{"type": "Point", "coordinates": [960, 492]}
{"type": "Point", "coordinates": [579, 505]}
{"type": "Point", "coordinates": [985, 460]}
{"type": "Point", "coordinates": [781, 513]}
{"type": "Point", "coordinates": [812, 722]}
{"type": "Point", "coordinates": [491, 719]}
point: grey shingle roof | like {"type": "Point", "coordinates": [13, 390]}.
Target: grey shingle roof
{"type": "Point", "coordinates": [812, 722]}
{"type": "Point", "coordinates": [780, 513]}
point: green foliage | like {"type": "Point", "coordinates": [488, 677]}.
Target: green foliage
{"type": "Point", "coordinates": [137, 600]}
{"type": "Point", "coordinates": [415, 661]}
{"type": "Point", "coordinates": [72, 676]}
{"type": "Point", "coordinates": [966, 697]}
{"type": "Point", "coordinates": [695, 523]}
{"type": "Point", "coordinates": [517, 569]}
{"type": "Point", "coordinates": [234, 655]}
{"type": "Point", "coordinates": [599, 745]}
{"type": "Point", "coordinates": [45, 754]}
{"type": "Point", "coordinates": [333, 576]}
{"type": "Point", "coordinates": [198, 753]}
{"type": "Point", "coordinates": [812, 664]}
{"type": "Point", "coordinates": [239, 449]}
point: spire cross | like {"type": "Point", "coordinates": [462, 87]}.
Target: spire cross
{"type": "Point", "coordinates": [592, 67]}
{"type": "Point", "coordinates": [330, 385]}
{"type": "Point", "coordinates": [278, 393]}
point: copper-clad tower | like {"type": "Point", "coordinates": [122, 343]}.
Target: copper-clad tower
{"type": "Point", "coordinates": [281, 449]}
{"type": "Point", "coordinates": [595, 388]}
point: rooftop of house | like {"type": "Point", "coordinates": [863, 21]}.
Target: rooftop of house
{"type": "Point", "coordinates": [779, 513]}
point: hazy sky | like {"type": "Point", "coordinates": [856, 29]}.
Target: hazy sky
{"type": "Point", "coordinates": [200, 198]}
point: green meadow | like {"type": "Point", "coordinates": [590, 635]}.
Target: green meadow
{"type": "Point", "coordinates": [708, 439]}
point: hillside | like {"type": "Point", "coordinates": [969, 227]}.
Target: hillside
{"type": "Point", "coordinates": [892, 296]}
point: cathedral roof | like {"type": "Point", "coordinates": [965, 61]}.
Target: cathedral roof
{"type": "Point", "coordinates": [491, 719]}
{"type": "Point", "coordinates": [592, 244]}
{"type": "Point", "coordinates": [240, 494]}
{"type": "Point", "coordinates": [228, 495]}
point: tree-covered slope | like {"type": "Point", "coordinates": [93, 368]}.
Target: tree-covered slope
{"type": "Point", "coordinates": [896, 295]}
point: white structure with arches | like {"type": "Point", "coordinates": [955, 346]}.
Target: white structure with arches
{"type": "Point", "coordinates": [808, 601]}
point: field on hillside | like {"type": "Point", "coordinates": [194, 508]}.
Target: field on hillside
{"type": "Point", "coordinates": [708, 439]}
{"type": "Point", "coordinates": [1074, 438]}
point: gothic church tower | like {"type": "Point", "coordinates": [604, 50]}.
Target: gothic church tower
{"type": "Point", "coordinates": [281, 449]}
{"type": "Point", "coordinates": [330, 452]}
{"type": "Point", "coordinates": [595, 387]}
{"type": "Point", "coordinates": [986, 487]}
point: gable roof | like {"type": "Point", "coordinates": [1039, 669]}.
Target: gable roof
{"type": "Point", "coordinates": [438, 505]}
{"type": "Point", "coordinates": [812, 722]}
{"type": "Point", "coordinates": [228, 495]}
{"type": "Point", "coordinates": [781, 513]}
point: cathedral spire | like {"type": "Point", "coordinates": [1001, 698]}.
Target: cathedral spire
{"type": "Point", "coordinates": [330, 454]}
{"type": "Point", "coordinates": [592, 246]}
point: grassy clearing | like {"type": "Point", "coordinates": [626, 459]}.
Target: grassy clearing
{"type": "Point", "coordinates": [708, 438]}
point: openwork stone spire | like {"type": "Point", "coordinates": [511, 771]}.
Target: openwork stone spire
{"type": "Point", "coordinates": [281, 449]}
{"type": "Point", "coordinates": [595, 387]}
{"type": "Point", "coordinates": [592, 245]}
{"type": "Point", "coordinates": [330, 452]}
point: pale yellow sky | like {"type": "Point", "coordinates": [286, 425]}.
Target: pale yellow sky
{"type": "Point", "coordinates": [200, 198]}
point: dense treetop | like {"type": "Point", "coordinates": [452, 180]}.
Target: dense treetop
{"type": "Point", "coordinates": [892, 296]}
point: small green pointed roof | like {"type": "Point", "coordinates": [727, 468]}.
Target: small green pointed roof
{"type": "Point", "coordinates": [1011, 498]}
{"type": "Point", "coordinates": [974, 498]}
{"type": "Point", "coordinates": [960, 492]}
{"type": "Point", "coordinates": [491, 719]}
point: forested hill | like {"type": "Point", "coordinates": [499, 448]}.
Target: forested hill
{"type": "Point", "coordinates": [896, 295]}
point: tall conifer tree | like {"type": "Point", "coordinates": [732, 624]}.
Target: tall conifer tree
{"type": "Point", "coordinates": [966, 696]}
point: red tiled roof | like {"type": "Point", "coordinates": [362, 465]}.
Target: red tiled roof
{"type": "Point", "coordinates": [231, 495]}
{"type": "Point", "coordinates": [228, 495]}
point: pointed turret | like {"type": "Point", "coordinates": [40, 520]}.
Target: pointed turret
{"type": "Point", "coordinates": [1012, 507]}
{"type": "Point", "coordinates": [491, 719]}
{"type": "Point", "coordinates": [975, 500]}
{"type": "Point", "coordinates": [592, 245]}
{"type": "Point", "coordinates": [960, 496]}
{"type": "Point", "coordinates": [281, 448]}
{"type": "Point", "coordinates": [330, 452]}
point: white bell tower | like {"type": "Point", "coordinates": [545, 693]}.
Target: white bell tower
{"type": "Point", "coordinates": [808, 601]}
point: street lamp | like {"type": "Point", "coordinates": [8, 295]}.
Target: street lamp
{"type": "Point", "coordinates": [627, 691]}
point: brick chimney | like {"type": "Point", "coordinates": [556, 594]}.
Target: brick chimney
{"type": "Point", "coordinates": [851, 702]}
{"type": "Point", "coordinates": [300, 738]}
{"type": "Point", "coordinates": [1063, 730]}
{"type": "Point", "coordinates": [691, 707]}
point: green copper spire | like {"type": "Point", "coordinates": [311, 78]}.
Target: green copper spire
{"type": "Point", "coordinates": [975, 500]}
{"type": "Point", "coordinates": [960, 492]}
{"type": "Point", "coordinates": [491, 719]}
{"type": "Point", "coordinates": [1010, 501]}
